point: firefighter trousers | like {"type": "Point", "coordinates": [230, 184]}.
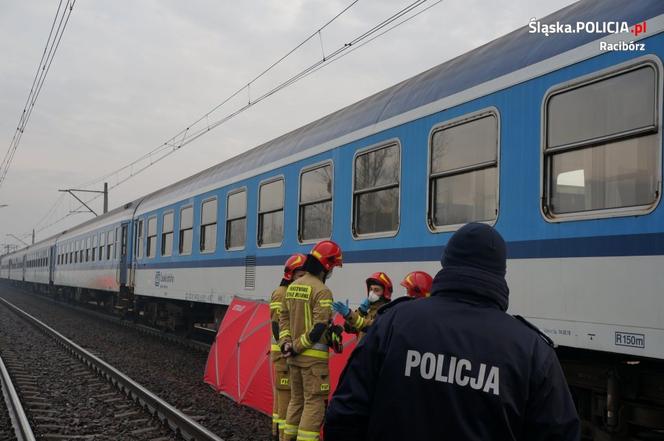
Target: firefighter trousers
{"type": "Point", "coordinates": [310, 387]}
{"type": "Point", "coordinates": [281, 394]}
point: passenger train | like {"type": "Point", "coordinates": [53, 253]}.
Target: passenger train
{"type": "Point", "coordinates": [553, 139]}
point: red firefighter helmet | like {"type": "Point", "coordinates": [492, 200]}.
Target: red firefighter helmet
{"type": "Point", "coordinates": [417, 284]}
{"type": "Point", "coordinates": [380, 278]}
{"type": "Point", "coordinates": [294, 263]}
{"type": "Point", "coordinates": [328, 254]}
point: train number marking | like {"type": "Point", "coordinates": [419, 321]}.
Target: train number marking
{"type": "Point", "coordinates": [631, 340]}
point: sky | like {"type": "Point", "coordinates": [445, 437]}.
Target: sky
{"type": "Point", "coordinates": [130, 74]}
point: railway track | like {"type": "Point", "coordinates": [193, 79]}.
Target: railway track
{"type": "Point", "coordinates": [172, 371]}
{"type": "Point", "coordinates": [14, 424]}
{"type": "Point", "coordinates": [69, 393]}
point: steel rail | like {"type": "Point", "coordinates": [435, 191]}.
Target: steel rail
{"type": "Point", "coordinates": [176, 420]}
{"type": "Point", "coordinates": [20, 421]}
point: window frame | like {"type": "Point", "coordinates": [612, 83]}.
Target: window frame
{"type": "Point", "coordinates": [246, 218]}
{"type": "Point", "coordinates": [380, 145]}
{"type": "Point", "coordinates": [270, 180]}
{"type": "Point", "coordinates": [200, 226]}
{"type": "Point", "coordinates": [180, 209]}
{"type": "Point", "coordinates": [457, 121]}
{"type": "Point", "coordinates": [545, 165]}
{"type": "Point", "coordinates": [304, 170]}
{"type": "Point", "coordinates": [161, 234]}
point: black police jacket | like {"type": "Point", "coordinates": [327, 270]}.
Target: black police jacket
{"type": "Point", "coordinates": [453, 366]}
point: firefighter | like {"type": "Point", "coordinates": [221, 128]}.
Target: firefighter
{"type": "Point", "coordinates": [379, 293]}
{"type": "Point", "coordinates": [417, 284]}
{"type": "Point", "coordinates": [304, 323]}
{"type": "Point", "coordinates": [293, 270]}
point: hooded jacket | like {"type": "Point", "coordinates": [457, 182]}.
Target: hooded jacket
{"type": "Point", "coordinates": [455, 366]}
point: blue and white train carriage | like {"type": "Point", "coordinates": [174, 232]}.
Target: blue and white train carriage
{"type": "Point", "coordinates": [552, 139]}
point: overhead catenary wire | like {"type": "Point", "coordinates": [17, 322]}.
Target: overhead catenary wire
{"type": "Point", "coordinates": [189, 134]}
{"type": "Point", "coordinates": [51, 48]}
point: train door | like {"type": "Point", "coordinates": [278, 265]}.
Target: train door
{"type": "Point", "coordinates": [25, 256]}
{"type": "Point", "coordinates": [9, 270]}
{"type": "Point", "coordinates": [122, 268]}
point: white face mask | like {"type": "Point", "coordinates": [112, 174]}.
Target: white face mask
{"type": "Point", "coordinates": [329, 274]}
{"type": "Point", "coordinates": [373, 297]}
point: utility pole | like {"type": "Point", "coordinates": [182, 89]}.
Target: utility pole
{"type": "Point", "coordinates": [104, 192]}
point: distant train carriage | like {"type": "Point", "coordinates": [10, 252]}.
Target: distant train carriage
{"type": "Point", "coordinates": [551, 138]}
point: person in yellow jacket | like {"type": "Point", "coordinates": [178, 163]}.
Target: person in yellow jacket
{"type": "Point", "coordinates": [293, 270]}
{"type": "Point", "coordinates": [379, 293]}
{"type": "Point", "coordinates": [303, 331]}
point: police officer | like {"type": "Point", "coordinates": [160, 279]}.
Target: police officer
{"type": "Point", "coordinates": [303, 326]}
{"type": "Point", "coordinates": [379, 293]}
{"type": "Point", "coordinates": [455, 366]}
{"type": "Point", "coordinates": [293, 270]}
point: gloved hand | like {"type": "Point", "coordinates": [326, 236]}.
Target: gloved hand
{"type": "Point", "coordinates": [341, 308]}
{"type": "Point", "coordinates": [317, 332]}
{"type": "Point", "coordinates": [287, 350]}
{"type": "Point", "coordinates": [335, 338]}
{"type": "Point", "coordinates": [364, 306]}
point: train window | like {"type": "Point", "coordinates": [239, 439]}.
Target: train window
{"type": "Point", "coordinates": [109, 244]}
{"type": "Point", "coordinates": [463, 179]}
{"type": "Point", "coordinates": [94, 247]}
{"type": "Point", "coordinates": [150, 250]}
{"type": "Point", "coordinates": [139, 239]}
{"type": "Point", "coordinates": [208, 239]}
{"type": "Point", "coordinates": [116, 243]}
{"type": "Point", "coordinates": [236, 219]}
{"type": "Point", "coordinates": [102, 245]}
{"type": "Point", "coordinates": [271, 213]}
{"type": "Point", "coordinates": [87, 249]}
{"type": "Point", "coordinates": [376, 191]}
{"type": "Point", "coordinates": [315, 213]}
{"type": "Point", "coordinates": [601, 149]}
{"type": "Point", "coordinates": [186, 230]}
{"type": "Point", "coordinates": [167, 234]}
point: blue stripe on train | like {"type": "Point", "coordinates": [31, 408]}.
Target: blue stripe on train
{"type": "Point", "coordinates": [601, 246]}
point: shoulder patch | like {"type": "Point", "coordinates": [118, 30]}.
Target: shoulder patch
{"type": "Point", "coordinates": [544, 337]}
{"type": "Point", "coordinates": [383, 309]}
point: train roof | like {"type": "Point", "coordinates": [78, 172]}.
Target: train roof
{"type": "Point", "coordinates": [499, 57]}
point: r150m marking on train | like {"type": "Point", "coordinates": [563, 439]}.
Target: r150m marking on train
{"type": "Point", "coordinates": [629, 339]}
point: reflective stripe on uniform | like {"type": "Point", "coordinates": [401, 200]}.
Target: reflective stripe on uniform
{"type": "Point", "coordinates": [307, 435]}
{"type": "Point", "coordinates": [359, 321]}
{"type": "Point", "coordinates": [276, 305]}
{"type": "Point", "coordinates": [290, 429]}
{"type": "Point", "coordinates": [304, 339]}
{"type": "Point", "coordinates": [316, 353]}
{"type": "Point", "coordinates": [275, 348]}
{"type": "Point", "coordinates": [284, 333]}
{"type": "Point", "coordinates": [325, 303]}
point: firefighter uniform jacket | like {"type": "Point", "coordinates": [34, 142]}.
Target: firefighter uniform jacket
{"type": "Point", "coordinates": [276, 303]}
{"type": "Point", "coordinates": [453, 366]}
{"type": "Point", "coordinates": [307, 302]}
{"type": "Point", "coordinates": [359, 322]}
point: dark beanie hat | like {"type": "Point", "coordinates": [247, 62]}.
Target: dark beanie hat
{"type": "Point", "coordinates": [474, 263]}
{"type": "Point", "coordinates": [479, 246]}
